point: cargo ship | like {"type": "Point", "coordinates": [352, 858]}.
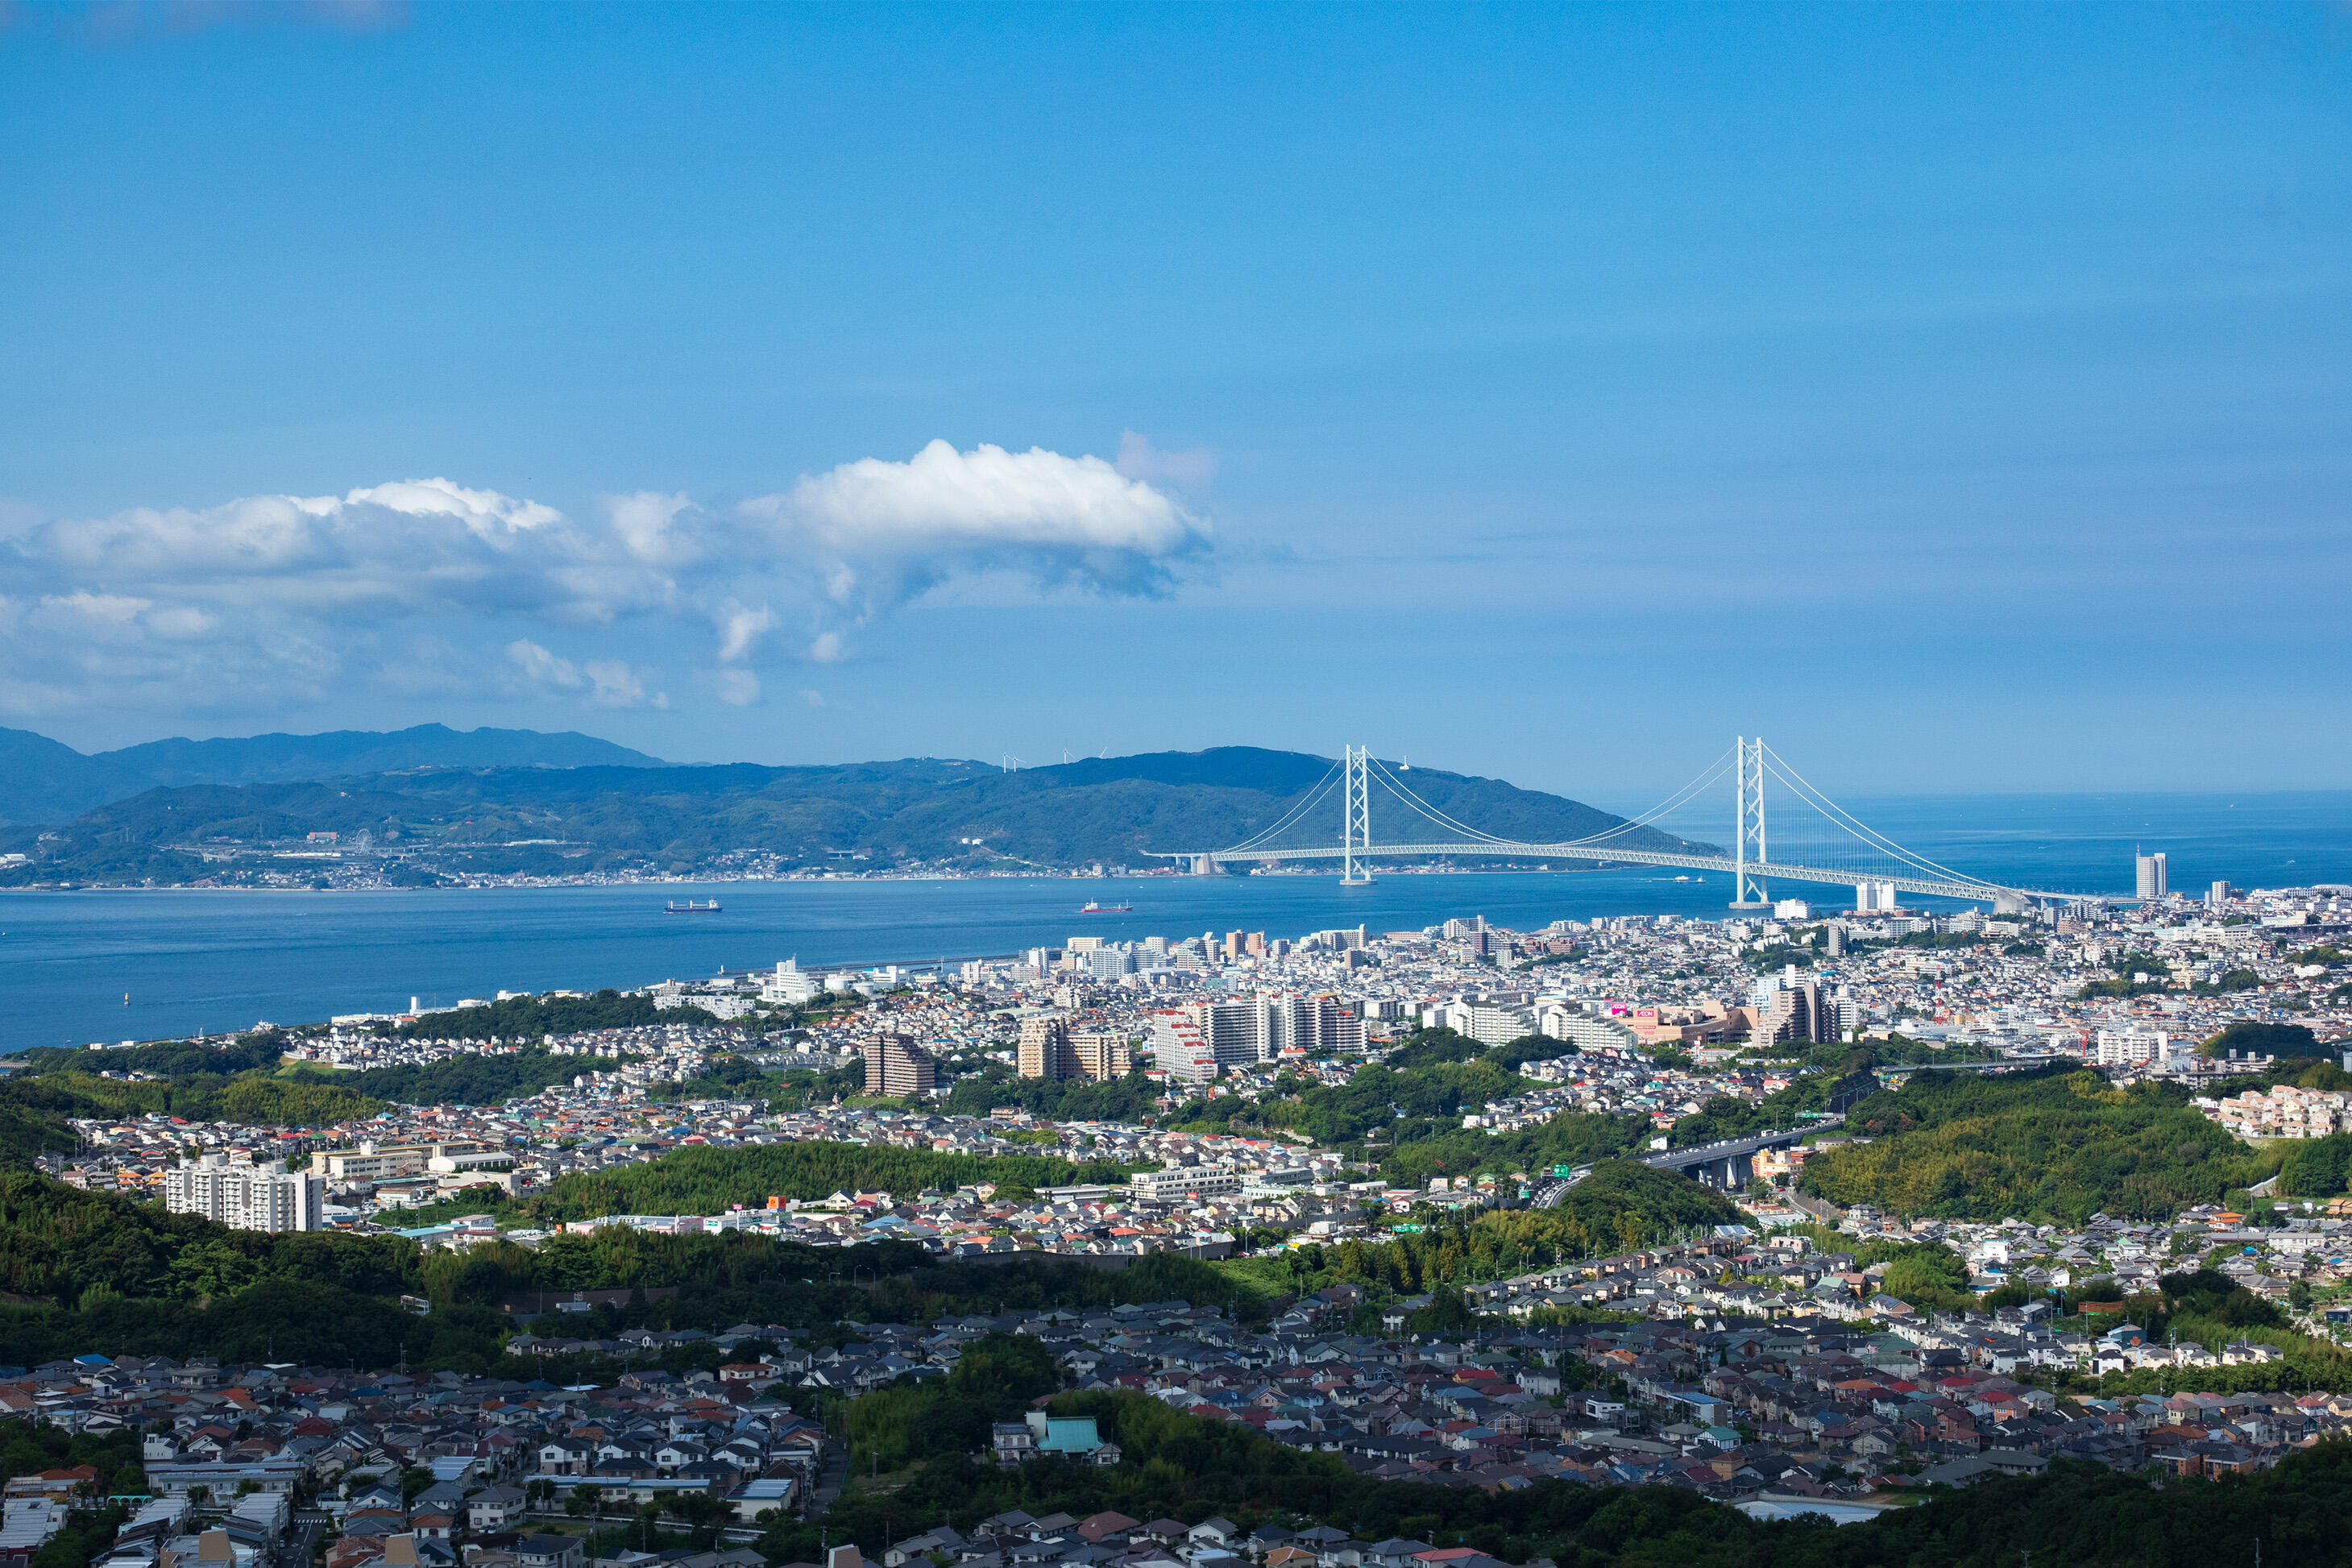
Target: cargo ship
{"type": "Point", "coordinates": [1092, 908]}
{"type": "Point", "coordinates": [691, 907]}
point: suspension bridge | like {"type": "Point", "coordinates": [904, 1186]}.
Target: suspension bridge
{"type": "Point", "coordinates": [1816, 840]}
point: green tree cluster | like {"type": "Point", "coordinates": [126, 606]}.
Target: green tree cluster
{"type": "Point", "coordinates": [61, 1242]}
{"type": "Point", "coordinates": [2053, 1145]}
{"type": "Point", "coordinates": [2317, 1167]}
{"type": "Point", "coordinates": [2265, 1039]}
{"type": "Point", "coordinates": [531, 1017]}
{"type": "Point", "coordinates": [1129, 1098]}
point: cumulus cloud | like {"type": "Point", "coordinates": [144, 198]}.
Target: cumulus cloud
{"type": "Point", "coordinates": [880, 534]}
{"type": "Point", "coordinates": [278, 599]}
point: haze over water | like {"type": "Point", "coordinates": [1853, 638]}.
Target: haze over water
{"type": "Point", "coordinates": [217, 961]}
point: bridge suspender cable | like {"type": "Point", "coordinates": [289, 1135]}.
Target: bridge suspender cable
{"type": "Point", "coordinates": [1306, 801]}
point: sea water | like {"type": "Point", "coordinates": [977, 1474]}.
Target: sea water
{"type": "Point", "coordinates": [214, 961]}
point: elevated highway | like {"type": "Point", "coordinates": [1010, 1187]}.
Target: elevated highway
{"type": "Point", "coordinates": [1727, 1162]}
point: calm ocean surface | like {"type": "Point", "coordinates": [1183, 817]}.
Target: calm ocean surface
{"type": "Point", "coordinates": [214, 961]}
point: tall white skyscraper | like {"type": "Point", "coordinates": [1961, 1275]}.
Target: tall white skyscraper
{"type": "Point", "coordinates": [2154, 879]}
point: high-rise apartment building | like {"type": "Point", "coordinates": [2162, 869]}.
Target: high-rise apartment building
{"type": "Point", "coordinates": [1045, 1049]}
{"type": "Point", "coordinates": [897, 1065]}
{"type": "Point", "coordinates": [2154, 879]}
{"type": "Point", "coordinates": [1180, 1049]}
{"type": "Point", "coordinates": [1107, 963]}
{"type": "Point", "coordinates": [1101, 1055]}
{"type": "Point", "coordinates": [265, 1197]}
{"type": "Point", "coordinates": [1791, 1009]}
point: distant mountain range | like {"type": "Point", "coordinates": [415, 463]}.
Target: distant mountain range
{"type": "Point", "coordinates": [433, 816]}
{"type": "Point", "coordinates": [45, 780]}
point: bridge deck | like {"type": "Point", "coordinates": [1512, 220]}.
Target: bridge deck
{"type": "Point", "coordinates": [1761, 870]}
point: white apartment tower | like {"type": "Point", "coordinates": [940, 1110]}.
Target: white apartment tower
{"type": "Point", "coordinates": [265, 1197]}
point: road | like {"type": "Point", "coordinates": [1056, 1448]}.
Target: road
{"type": "Point", "coordinates": [1552, 1189]}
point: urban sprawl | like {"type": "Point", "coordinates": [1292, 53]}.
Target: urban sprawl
{"type": "Point", "coordinates": [1758, 1361]}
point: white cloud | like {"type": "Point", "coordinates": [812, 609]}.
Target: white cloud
{"type": "Point", "coordinates": [541, 667]}
{"type": "Point", "coordinates": [740, 630]}
{"type": "Point", "coordinates": [815, 699]}
{"type": "Point", "coordinates": [273, 599]}
{"type": "Point", "coordinates": [616, 685]}
{"type": "Point", "coordinates": [647, 524]}
{"type": "Point", "coordinates": [111, 609]}
{"type": "Point", "coordinates": [1192, 468]}
{"type": "Point", "coordinates": [880, 534]}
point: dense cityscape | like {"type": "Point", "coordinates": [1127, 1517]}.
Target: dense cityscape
{"type": "Point", "coordinates": [1770, 1355]}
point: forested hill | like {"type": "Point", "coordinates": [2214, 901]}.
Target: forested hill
{"type": "Point", "coordinates": [45, 780]}
{"type": "Point", "coordinates": [2053, 1145]}
{"type": "Point", "coordinates": [497, 819]}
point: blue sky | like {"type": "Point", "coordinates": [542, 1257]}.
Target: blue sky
{"type": "Point", "coordinates": [1958, 395]}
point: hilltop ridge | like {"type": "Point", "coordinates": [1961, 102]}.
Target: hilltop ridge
{"type": "Point", "coordinates": [47, 781]}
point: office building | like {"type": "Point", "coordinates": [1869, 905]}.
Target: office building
{"type": "Point", "coordinates": [2154, 881]}
{"type": "Point", "coordinates": [369, 1162]}
{"type": "Point", "coordinates": [1184, 1181]}
{"type": "Point", "coordinates": [790, 986]}
{"type": "Point", "coordinates": [1874, 898]}
{"type": "Point", "coordinates": [265, 1197]}
{"type": "Point", "coordinates": [897, 1067]}
{"type": "Point", "coordinates": [2221, 894]}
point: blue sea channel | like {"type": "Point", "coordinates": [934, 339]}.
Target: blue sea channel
{"type": "Point", "coordinates": [212, 960]}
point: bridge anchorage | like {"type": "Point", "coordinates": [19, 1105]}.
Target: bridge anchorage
{"type": "Point", "coordinates": [1819, 841]}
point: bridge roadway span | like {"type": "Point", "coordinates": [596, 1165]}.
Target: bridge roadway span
{"type": "Point", "coordinates": [1729, 1164]}
{"type": "Point", "coordinates": [1764, 871]}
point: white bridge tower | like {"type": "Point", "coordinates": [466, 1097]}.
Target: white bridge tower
{"type": "Point", "coordinates": [1356, 818]}
{"type": "Point", "coordinates": [1748, 889]}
